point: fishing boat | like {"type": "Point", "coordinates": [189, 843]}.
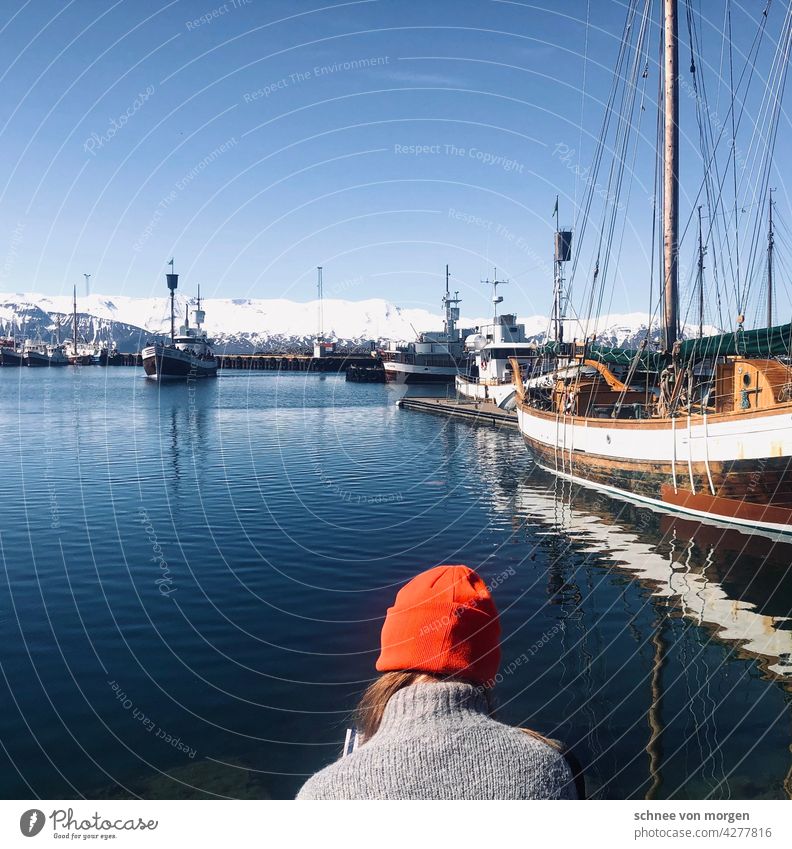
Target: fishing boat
{"type": "Point", "coordinates": [701, 426]}
{"type": "Point", "coordinates": [34, 353]}
{"type": "Point", "coordinates": [189, 354]}
{"type": "Point", "coordinates": [77, 352]}
{"type": "Point", "coordinates": [434, 357]}
{"type": "Point", "coordinates": [490, 350]}
{"type": "Point", "coordinates": [9, 354]}
{"type": "Point", "coordinates": [57, 355]}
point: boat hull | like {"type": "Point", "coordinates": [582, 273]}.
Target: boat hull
{"type": "Point", "coordinates": [733, 468]}
{"type": "Point", "coordinates": [34, 359]}
{"type": "Point", "coordinates": [410, 373]}
{"type": "Point", "coordinates": [10, 358]}
{"type": "Point", "coordinates": [164, 363]}
{"type": "Point", "coordinates": [501, 394]}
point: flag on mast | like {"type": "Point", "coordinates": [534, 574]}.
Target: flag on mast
{"type": "Point", "coordinates": [555, 208]}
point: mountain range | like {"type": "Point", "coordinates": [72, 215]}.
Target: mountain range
{"type": "Point", "coordinates": [245, 325]}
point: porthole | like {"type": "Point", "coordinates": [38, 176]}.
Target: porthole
{"type": "Point", "coordinates": [746, 379]}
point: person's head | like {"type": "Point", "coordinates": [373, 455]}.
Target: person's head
{"type": "Point", "coordinates": [442, 626]}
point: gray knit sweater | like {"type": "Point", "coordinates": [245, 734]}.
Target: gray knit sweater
{"type": "Point", "coordinates": [436, 741]}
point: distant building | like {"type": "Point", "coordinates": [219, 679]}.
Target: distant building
{"type": "Point", "coordinates": [322, 348]}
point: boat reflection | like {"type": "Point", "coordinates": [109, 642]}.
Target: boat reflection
{"type": "Point", "coordinates": [735, 585]}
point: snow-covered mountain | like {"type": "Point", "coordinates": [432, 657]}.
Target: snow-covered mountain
{"type": "Point", "coordinates": [244, 325]}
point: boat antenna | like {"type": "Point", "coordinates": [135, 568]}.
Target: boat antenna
{"type": "Point", "coordinates": [563, 253]}
{"type": "Point", "coordinates": [451, 310]}
{"type": "Point", "coordinates": [173, 282]}
{"type": "Point", "coordinates": [320, 296]}
{"type": "Point", "coordinates": [671, 174]}
{"type": "Point", "coordinates": [770, 246]}
{"type": "Point", "coordinates": [75, 324]}
{"type": "Point", "coordinates": [496, 298]}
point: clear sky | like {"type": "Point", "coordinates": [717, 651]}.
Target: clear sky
{"type": "Point", "coordinates": [380, 139]}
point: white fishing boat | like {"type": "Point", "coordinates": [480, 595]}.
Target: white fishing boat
{"type": "Point", "coordinates": [434, 357]}
{"type": "Point", "coordinates": [491, 349]}
{"type": "Point", "coordinates": [34, 353]}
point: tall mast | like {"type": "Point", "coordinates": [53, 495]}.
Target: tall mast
{"type": "Point", "coordinates": [770, 245]}
{"type": "Point", "coordinates": [173, 282]}
{"type": "Point", "coordinates": [562, 253]}
{"type": "Point", "coordinates": [450, 310]}
{"type": "Point", "coordinates": [75, 324]}
{"type": "Point", "coordinates": [671, 175]}
{"type": "Point", "coordinates": [700, 287]}
{"type": "Point", "coordinates": [320, 296]}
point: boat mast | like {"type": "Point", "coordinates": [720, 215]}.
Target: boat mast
{"type": "Point", "coordinates": [562, 253]}
{"type": "Point", "coordinates": [701, 252]}
{"type": "Point", "coordinates": [671, 175]}
{"type": "Point", "coordinates": [173, 282]}
{"type": "Point", "coordinates": [320, 297]}
{"type": "Point", "coordinates": [75, 324]}
{"type": "Point", "coordinates": [450, 310]}
{"type": "Point", "coordinates": [770, 246]}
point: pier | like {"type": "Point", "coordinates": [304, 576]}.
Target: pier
{"type": "Point", "coordinates": [479, 412]}
{"type": "Point", "coordinates": [295, 362]}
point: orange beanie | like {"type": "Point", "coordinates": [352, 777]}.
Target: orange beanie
{"type": "Point", "coordinates": [443, 622]}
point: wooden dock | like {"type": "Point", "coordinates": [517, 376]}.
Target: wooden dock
{"type": "Point", "coordinates": [295, 362]}
{"type": "Point", "coordinates": [481, 412]}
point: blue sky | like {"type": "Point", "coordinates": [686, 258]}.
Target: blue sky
{"type": "Point", "coordinates": [256, 140]}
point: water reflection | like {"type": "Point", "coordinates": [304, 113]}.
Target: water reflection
{"type": "Point", "coordinates": [737, 586]}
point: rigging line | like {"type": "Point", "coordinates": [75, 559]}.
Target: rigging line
{"type": "Point", "coordinates": [706, 143]}
{"type": "Point", "coordinates": [583, 215]}
{"type": "Point", "coordinates": [637, 133]}
{"type": "Point", "coordinates": [734, 151]}
{"type": "Point", "coordinates": [582, 99]}
{"type": "Point", "coordinates": [749, 63]}
{"type": "Point", "coordinates": [767, 164]}
{"type": "Point", "coordinates": [628, 91]}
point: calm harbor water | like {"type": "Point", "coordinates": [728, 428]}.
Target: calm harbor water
{"type": "Point", "coordinates": [194, 579]}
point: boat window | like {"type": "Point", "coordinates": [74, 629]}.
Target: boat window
{"type": "Point", "coordinates": [747, 379]}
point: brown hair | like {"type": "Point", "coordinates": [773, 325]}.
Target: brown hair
{"type": "Point", "coordinates": [371, 707]}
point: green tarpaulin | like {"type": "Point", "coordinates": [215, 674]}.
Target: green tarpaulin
{"type": "Point", "coordinates": [612, 356]}
{"type": "Point", "coordinates": [764, 342]}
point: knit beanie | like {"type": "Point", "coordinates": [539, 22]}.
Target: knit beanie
{"type": "Point", "coordinates": [443, 622]}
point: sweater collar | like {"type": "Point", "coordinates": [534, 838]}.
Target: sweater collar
{"type": "Point", "coordinates": [433, 701]}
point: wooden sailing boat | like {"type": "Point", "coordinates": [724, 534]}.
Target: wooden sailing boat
{"type": "Point", "coordinates": [703, 427]}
